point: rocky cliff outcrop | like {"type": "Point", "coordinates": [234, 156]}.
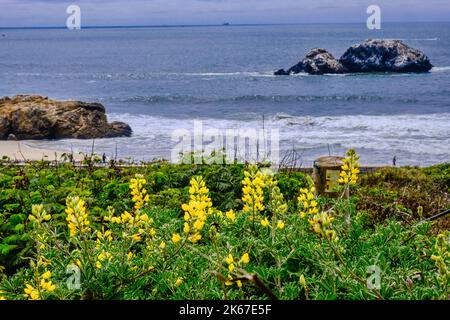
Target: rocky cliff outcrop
{"type": "Point", "coordinates": [36, 117]}
{"type": "Point", "coordinates": [317, 61]}
{"type": "Point", "coordinates": [369, 56]}
{"type": "Point", "coordinates": [385, 56]}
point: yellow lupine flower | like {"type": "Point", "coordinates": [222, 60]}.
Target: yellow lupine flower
{"type": "Point", "coordinates": [441, 258]}
{"type": "Point", "coordinates": [307, 202]}
{"type": "Point", "coordinates": [228, 281]}
{"type": "Point", "coordinates": [265, 223]}
{"type": "Point", "coordinates": [47, 285]}
{"type": "Point", "coordinates": [197, 210]}
{"type": "Point", "coordinates": [194, 238]}
{"type": "Point", "coordinates": [31, 293]}
{"type": "Point", "coordinates": [350, 168]}
{"type": "Point", "coordinates": [252, 190]}
{"type": "Point", "coordinates": [245, 258]}
{"type": "Point", "coordinates": [280, 225]}
{"type": "Point", "coordinates": [139, 193]}
{"type": "Point", "coordinates": [321, 224]}
{"type": "Point", "coordinates": [176, 238]}
{"type": "Point", "coordinates": [136, 237]}
{"type": "Point", "coordinates": [38, 214]}
{"type": "Point", "coordinates": [229, 259]}
{"type": "Point", "coordinates": [77, 217]}
{"type": "Point", "coordinates": [231, 215]}
{"type": "Point", "coordinates": [179, 282]}
{"type": "Point", "coordinates": [198, 225]}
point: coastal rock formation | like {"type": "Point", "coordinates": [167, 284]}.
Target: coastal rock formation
{"type": "Point", "coordinates": [385, 56]}
{"type": "Point", "coordinates": [36, 117]}
{"type": "Point", "coordinates": [318, 61]}
{"type": "Point", "coordinates": [369, 56]}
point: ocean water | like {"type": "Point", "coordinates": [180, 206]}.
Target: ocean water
{"type": "Point", "coordinates": [162, 79]}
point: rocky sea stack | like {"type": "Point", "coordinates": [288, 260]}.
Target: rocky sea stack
{"type": "Point", "coordinates": [35, 117]}
{"type": "Point", "coordinates": [369, 56]}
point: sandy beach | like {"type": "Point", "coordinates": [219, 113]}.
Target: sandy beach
{"type": "Point", "coordinates": [20, 151]}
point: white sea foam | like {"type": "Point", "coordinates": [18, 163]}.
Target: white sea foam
{"type": "Point", "coordinates": [412, 133]}
{"type": "Point", "coordinates": [440, 69]}
{"type": "Point", "coordinates": [425, 139]}
{"type": "Point", "coordinates": [227, 74]}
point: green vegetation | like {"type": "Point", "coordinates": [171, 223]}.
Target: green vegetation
{"type": "Point", "coordinates": [165, 231]}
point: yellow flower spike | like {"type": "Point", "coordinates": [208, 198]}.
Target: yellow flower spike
{"type": "Point", "coordinates": [162, 245]}
{"type": "Point", "coordinates": [231, 267]}
{"type": "Point", "coordinates": [77, 217]}
{"type": "Point", "coordinates": [280, 225]}
{"type": "Point", "coordinates": [321, 225]}
{"type": "Point", "coordinates": [116, 220]}
{"type": "Point", "coordinates": [38, 214]}
{"type": "Point", "coordinates": [350, 169]}
{"type": "Point", "coordinates": [98, 265]}
{"type": "Point", "coordinates": [136, 237]}
{"type": "Point", "coordinates": [194, 238]}
{"type": "Point", "coordinates": [198, 225]}
{"type": "Point", "coordinates": [31, 293]}
{"type": "Point", "coordinates": [186, 228]}
{"type": "Point", "coordinates": [265, 223]}
{"type": "Point", "coordinates": [197, 210]}
{"type": "Point", "coordinates": [252, 191]}
{"type": "Point", "coordinates": [179, 282]}
{"type": "Point", "coordinates": [231, 215]}
{"type": "Point", "coordinates": [245, 258]}
{"type": "Point", "coordinates": [228, 281]}
{"type": "Point", "coordinates": [176, 238]}
{"type": "Point", "coordinates": [51, 287]}
{"type": "Point", "coordinates": [307, 202]}
{"type": "Point", "coordinates": [46, 275]}
{"type": "Point", "coordinates": [239, 283]}
{"type": "Point", "coordinates": [229, 259]}
{"type": "Point", "coordinates": [139, 193]}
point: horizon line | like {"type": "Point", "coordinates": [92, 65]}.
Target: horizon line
{"type": "Point", "coordinates": [201, 25]}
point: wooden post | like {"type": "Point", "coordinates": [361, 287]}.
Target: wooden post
{"type": "Point", "coordinates": [326, 174]}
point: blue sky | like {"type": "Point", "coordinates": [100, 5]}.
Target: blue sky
{"type": "Point", "coordinates": [34, 13]}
